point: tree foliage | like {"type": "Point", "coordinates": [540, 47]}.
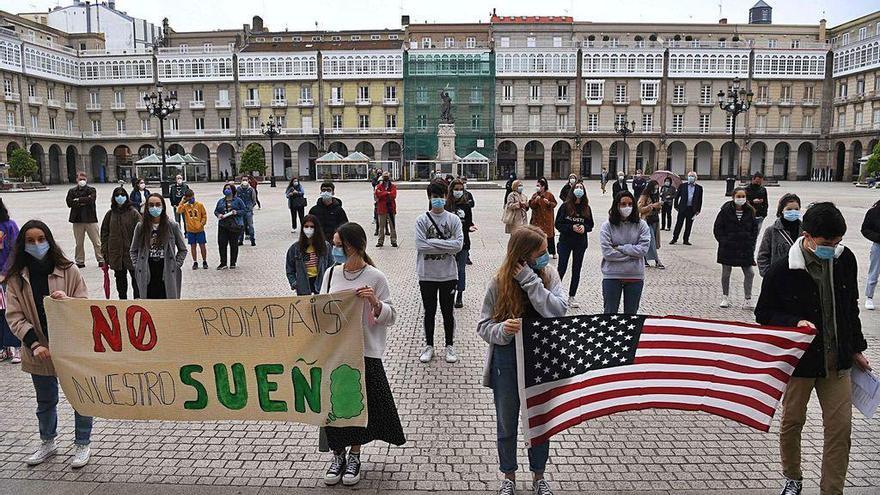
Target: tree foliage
{"type": "Point", "coordinates": [253, 160]}
{"type": "Point", "coordinates": [22, 165]}
{"type": "Point", "coordinates": [873, 165]}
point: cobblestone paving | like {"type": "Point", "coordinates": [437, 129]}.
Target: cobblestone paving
{"type": "Point", "coordinates": [448, 417]}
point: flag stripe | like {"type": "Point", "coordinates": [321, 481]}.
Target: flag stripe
{"type": "Point", "coordinates": [727, 349]}
{"type": "Point", "coordinates": [687, 341]}
{"type": "Point", "coordinates": [716, 356]}
{"type": "Point", "coordinates": [780, 342]}
{"type": "Point", "coordinates": [794, 333]}
{"type": "Point", "coordinates": [740, 368]}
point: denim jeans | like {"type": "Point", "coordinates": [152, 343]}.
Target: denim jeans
{"type": "Point", "coordinates": [506, 393]}
{"type": "Point", "coordinates": [576, 252]}
{"type": "Point", "coordinates": [613, 288]}
{"type": "Point", "coordinates": [47, 413]}
{"type": "Point", "coordinates": [652, 248]}
{"type": "Point", "coordinates": [461, 258]}
{"type": "Point", "coordinates": [248, 217]}
{"type": "Point", "coordinates": [873, 270]}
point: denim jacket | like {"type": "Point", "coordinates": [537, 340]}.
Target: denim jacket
{"type": "Point", "coordinates": [296, 268]}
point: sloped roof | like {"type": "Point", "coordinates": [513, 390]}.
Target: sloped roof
{"type": "Point", "coordinates": [152, 159]}
{"type": "Point", "coordinates": [761, 3]}
{"type": "Point", "coordinates": [331, 156]}
{"type": "Point", "coordinates": [357, 156]}
{"type": "Point", "coordinates": [475, 156]}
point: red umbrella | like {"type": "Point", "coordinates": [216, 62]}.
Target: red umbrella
{"type": "Point", "coordinates": [106, 280]}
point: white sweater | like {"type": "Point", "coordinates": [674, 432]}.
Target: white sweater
{"type": "Point", "coordinates": [375, 329]}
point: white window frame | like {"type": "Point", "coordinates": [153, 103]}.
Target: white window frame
{"type": "Point", "coordinates": [594, 91]}
{"type": "Point", "coordinates": [677, 123]}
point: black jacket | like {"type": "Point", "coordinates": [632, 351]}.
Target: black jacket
{"type": "Point", "coordinates": [736, 238]}
{"type": "Point", "coordinates": [871, 224]}
{"type": "Point", "coordinates": [81, 201]}
{"type": "Point", "coordinates": [681, 197]}
{"type": "Point", "coordinates": [176, 193]}
{"type": "Point", "coordinates": [754, 192]}
{"type": "Point", "coordinates": [330, 217]}
{"type": "Point", "coordinates": [639, 184]}
{"type": "Point", "coordinates": [565, 225]}
{"type": "Point", "coordinates": [619, 186]}
{"type": "Point", "coordinates": [789, 295]}
{"type": "Point", "coordinates": [563, 193]}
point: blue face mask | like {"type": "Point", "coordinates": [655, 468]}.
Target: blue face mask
{"type": "Point", "coordinates": [339, 255]}
{"type": "Point", "coordinates": [120, 200]}
{"type": "Point", "coordinates": [541, 262]}
{"type": "Point", "coordinates": [578, 193]}
{"type": "Point", "coordinates": [227, 192]}
{"type": "Point", "coordinates": [437, 203]}
{"type": "Point", "coordinates": [824, 252]}
{"type": "Point", "coordinates": [791, 215]}
{"type": "Point", "coordinates": [326, 195]}
{"type": "Point", "coordinates": [691, 179]}
{"type": "Point", "coordinates": [458, 194]}
{"type": "Point", "coordinates": [155, 211]}
{"type": "Point", "coordinates": [38, 250]}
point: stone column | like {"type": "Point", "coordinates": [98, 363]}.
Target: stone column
{"type": "Point", "coordinates": [575, 165]}
{"type": "Point", "coordinates": [548, 164]}
{"type": "Point", "coordinates": [213, 165]}
{"type": "Point", "coordinates": [792, 164]}
{"type": "Point", "coordinates": [520, 162]}
{"type": "Point", "coordinates": [689, 159]}
{"type": "Point", "coordinates": [848, 165]}
{"type": "Point", "coordinates": [661, 158]}
{"type": "Point", "coordinates": [716, 164]}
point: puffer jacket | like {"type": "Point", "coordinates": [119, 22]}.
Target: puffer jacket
{"type": "Point", "coordinates": [117, 230]}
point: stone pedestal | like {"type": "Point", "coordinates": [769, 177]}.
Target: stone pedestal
{"type": "Point", "coordinates": [446, 143]}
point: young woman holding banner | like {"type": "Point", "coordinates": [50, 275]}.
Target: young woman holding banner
{"type": "Point", "coordinates": [524, 286]}
{"type": "Point", "coordinates": [355, 271]}
{"type": "Point", "coordinates": [38, 268]}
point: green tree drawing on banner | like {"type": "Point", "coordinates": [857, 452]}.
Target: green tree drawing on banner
{"type": "Point", "coordinates": [346, 399]}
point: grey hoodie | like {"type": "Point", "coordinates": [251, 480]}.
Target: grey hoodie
{"type": "Point", "coordinates": [624, 248]}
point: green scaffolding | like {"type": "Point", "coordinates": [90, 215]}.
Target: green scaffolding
{"type": "Point", "coordinates": [469, 78]}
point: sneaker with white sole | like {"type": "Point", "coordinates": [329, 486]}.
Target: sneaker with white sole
{"type": "Point", "coordinates": [792, 487]}
{"type": "Point", "coordinates": [869, 304]}
{"type": "Point", "coordinates": [427, 354]}
{"type": "Point", "coordinates": [541, 487]}
{"type": "Point", "coordinates": [337, 467]}
{"type": "Point", "coordinates": [47, 449]}
{"type": "Point", "coordinates": [508, 487]}
{"type": "Point", "coordinates": [747, 305]}
{"type": "Point", "coordinates": [16, 355]}
{"type": "Point", "coordinates": [725, 302]}
{"type": "Point", "coordinates": [572, 303]}
{"type": "Point", "coordinates": [451, 356]}
{"type": "Point", "coordinates": [80, 456]}
{"type": "Point", "coordinates": [352, 470]}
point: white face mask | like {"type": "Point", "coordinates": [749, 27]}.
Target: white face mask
{"type": "Point", "coordinates": [626, 211]}
{"type": "Point", "coordinates": [571, 180]}
{"type": "Point", "coordinates": [179, 181]}
{"type": "Point", "coordinates": [309, 231]}
{"type": "Point", "coordinates": [739, 201]}
{"type": "Point", "coordinates": [82, 183]}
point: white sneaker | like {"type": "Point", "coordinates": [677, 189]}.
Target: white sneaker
{"type": "Point", "coordinates": [80, 456]}
{"type": "Point", "coordinates": [725, 302]}
{"type": "Point", "coordinates": [47, 449]}
{"type": "Point", "coordinates": [427, 354]}
{"type": "Point", "coordinates": [572, 303]}
{"type": "Point", "coordinates": [451, 356]}
{"type": "Point", "coordinates": [16, 355]}
{"type": "Point", "coordinates": [747, 305]}
{"type": "Point", "coordinates": [869, 304]}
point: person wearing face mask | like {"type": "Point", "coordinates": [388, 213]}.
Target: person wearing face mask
{"type": "Point", "coordinates": [563, 193]}
{"type": "Point", "coordinates": [296, 202]}
{"type": "Point", "coordinates": [385, 196]}
{"type": "Point", "coordinates": [543, 205]}
{"type": "Point", "coordinates": [308, 258]}
{"type": "Point", "coordinates": [139, 194]}
{"type": "Point", "coordinates": [515, 211]}
{"type": "Point", "coordinates": [229, 226]}
{"type": "Point", "coordinates": [248, 196]}
{"type": "Point", "coordinates": [10, 346]}
{"type": "Point", "coordinates": [779, 237]}
{"type": "Point", "coordinates": [639, 182]}
{"type": "Point", "coordinates": [871, 231]}
{"type": "Point", "coordinates": [624, 240]}
{"type": "Point", "coordinates": [176, 193]}
{"type": "Point", "coordinates": [158, 251]}
{"type": "Point", "coordinates": [329, 210]}
{"type": "Point", "coordinates": [736, 232]}
{"type": "Point", "coordinates": [816, 289]}
{"type": "Point", "coordinates": [620, 184]}
{"type": "Point", "coordinates": [81, 201]}
{"type": "Point", "coordinates": [38, 269]}
{"type": "Point", "coordinates": [508, 187]}
{"type": "Point", "coordinates": [196, 217]}
{"type": "Point", "coordinates": [457, 203]}
{"type": "Point", "coordinates": [573, 221]}
{"type": "Point", "coordinates": [117, 231]}
{"type": "Point", "coordinates": [688, 203]}
{"type": "Point", "coordinates": [525, 286]}
{"type": "Point", "coordinates": [667, 196]}
{"type": "Point", "coordinates": [438, 239]}
{"type": "Point", "coordinates": [649, 209]}
{"type": "Point", "coordinates": [756, 194]}
{"type": "Point", "coordinates": [603, 179]}
{"type": "Point", "coordinates": [253, 182]}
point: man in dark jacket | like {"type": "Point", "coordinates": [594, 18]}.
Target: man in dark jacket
{"type": "Point", "coordinates": [81, 201]}
{"type": "Point", "coordinates": [816, 289]}
{"type": "Point", "coordinates": [620, 185]}
{"type": "Point", "coordinates": [688, 203]}
{"type": "Point", "coordinates": [639, 183]}
{"type": "Point", "coordinates": [756, 194]}
{"type": "Point", "coordinates": [176, 192]}
{"type": "Point", "coordinates": [329, 211]}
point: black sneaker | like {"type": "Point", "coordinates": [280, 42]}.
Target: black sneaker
{"type": "Point", "coordinates": [195, 265]}
{"type": "Point", "coordinates": [221, 266]}
{"type": "Point", "coordinates": [337, 466]}
{"type": "Point", "coordinates": [686, 243]}
{"type": "Point", "coordinates": [253, 243]}
{"type": "Point", "coordinates": [394, 244]}
{"type": "Point", "coordinates": [352, 470]}
{"type": "Point", "coordinates": [80, 265]}
{"type": "Point", "coordinates": [792, 487]}
{"type": "Point", "coordinates": [542, 488]}
{"type": "Point", "coordinates": [232, 266]}
{"type": "Point", "coordinates": [205, 265]}
{"type": "Point", "coordinates": [508, 487]}
{"type": "Point", "coordinates": [241, 243]}
{"type": "Point", "coordinates": [458, 302]}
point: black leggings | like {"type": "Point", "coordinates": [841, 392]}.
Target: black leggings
{"type": "Point", "coordinates": [666, 215]}
{"type": "Point", "coordinates": [226, 237]}
{"type": "Point", "coordinates": [122, 283]}
{"type": "Point", "coordinates": [429, 292]}
{"type": "Point", "coordinates": [294, 212]}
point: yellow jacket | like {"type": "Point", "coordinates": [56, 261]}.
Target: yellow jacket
{"type": "Point", "coordinates": [194, 216]}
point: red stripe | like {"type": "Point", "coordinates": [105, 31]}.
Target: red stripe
{"type": "Point", "coordinates": [740, 418]}
{"type": "Point", "coordinates": [653, 375]}
{"type": "Point", "coordinates": [618, 393]}
{"type": "Point", "coordinates": [803, 330]}
{"type": "Point", "coordinates": [691, 361]}
{"type": "Point", "coordinates": [781, 342]}
{"type": "Point", "coordinates": [721, 348]}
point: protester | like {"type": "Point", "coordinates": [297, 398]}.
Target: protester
{"type": "Point", "coordinates": [296, 202]}
{"type": "Point", "coordinates": [158, 253]}
{"type": "Point", "coordinates": [639, 182]}
{"type": "Point", "coordinates": [871, 231]}
{"type": "Point", "coordinates": [139, 194]}
{"type": "Point", "coordinates": [667, 195]}
{"type": "Point", "coordinates": [438, 239]}
{"type": "Point", "coordinates": [624, 240]}
{"type": "Point", "coordinates": [525, 286]}
{"type": "Point", "coordinates": [816, 288]}
{"type": "Point", "coordinates": [385, 194]}
{"type": "Point", "coordinates": [253, 183]}
{"type": "Point", "coordinates": [688, 203]}
{"type": "Point", "coordinates": [358, 273]}
{"type": "Point", "coordinates": [329, 210]}
{"type": "Point", "coordinates": [573, 221]}
{"type": "Point", "coordinates": [176, 193]}
{"type": "Point", "coordinates": [38, 268]}
{"type": "Point", "coordinates": [457, 203]}
{"type": "Point", "coordinates": [736, 232]}
{"type": "Point", "coordinates": [543, 205]}
{"type": "Point", "coordinates": [229, 226]}
{"type": "Point", "coordinates": [756, 194]}
{"type": "Point", "coordinates": [620, 185]}
{"type": "Point", "coordinates": [81, 201]}
{"type": "Point", "coordinates": [572, 180]}
{"type": "Point", "coordinates": [472, 204]}
{"type": "Point", "coordinates": [779, 237]}
{"type": "Point", "coordinates": [10, 346]}
{"type": "Point", "coordinates": [515, 210]}
{"type": "Point", "coordinates": [649, 207]}
{"type": "Point", "coordinates": [196, 217]}
{"type": "Point", "coordinates": [603, 179]}
{"type": "Point", "coordinates": [117, 232]}
{"type": "Point", "coordinates": [308, 258]}
{"type": "Point", "coordinates": [248, 196]}
{"type": "Point", "coordinates": [509, 187]}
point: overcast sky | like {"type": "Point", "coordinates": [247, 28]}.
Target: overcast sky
{"type": "Point", "coordinates": [186, 15]}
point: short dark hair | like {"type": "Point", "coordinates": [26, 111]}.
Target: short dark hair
{"type": "Point", "coordinates": [328, 184]}
{"type": "Point", "coordinates": [786, 199]}
{"type": "Point", "coordinates": [437, 188]}
{"type": "Point", "coordinates": [543, 183]}
{"type": "Point", "coordinates": [824, 220]}
{"type": "Point", "coordinates": [757, 174]}
{"type": "Point", "coordinates": [189, 193]}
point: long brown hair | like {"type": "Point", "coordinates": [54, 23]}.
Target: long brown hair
{"type": "Point", "coordinates": [147, 223]}
{"type": "Point", "coordinates": [450, 196]}
{"type": "Point", "coordinates": [353, 236]}
{"type": "Point", "coordinates": [511, 300]}
{"type": "Point", "coordinates": [572, 207]}
{"type": "Point", "coordinates": [18, 260]}
{"type": "Point", "coordinates": [318, 243]}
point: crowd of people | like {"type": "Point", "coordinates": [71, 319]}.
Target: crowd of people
{"type": "Point", "coordinates": [809, 281]}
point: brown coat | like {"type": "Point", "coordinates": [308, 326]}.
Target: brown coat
{"type": "Point", "coordinates": [117, 230]}
{"type": "Point", "coordinates": [21, 311]}
{"type": "Point", "coordinates": [542, 212]}
{"type": "Point", "coordinates": [515, 215]}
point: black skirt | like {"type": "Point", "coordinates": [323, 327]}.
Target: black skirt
{"type": "Point", "coordinates": [383, 422]}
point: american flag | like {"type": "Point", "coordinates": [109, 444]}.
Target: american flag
{"type": "Point", "coordinates": [576, 368]}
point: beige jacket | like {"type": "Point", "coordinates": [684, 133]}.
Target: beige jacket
{"type": "Point", "coordinates": [21, 311]}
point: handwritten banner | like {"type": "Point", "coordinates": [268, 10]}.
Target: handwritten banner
{"type": "Point", "coordinates": [294, 359]}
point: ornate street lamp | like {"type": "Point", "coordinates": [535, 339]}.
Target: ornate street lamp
{"type": "Point", "coordinates": [161, 104]}
{"type": "Point", "coordinates": [736, 101]}
{"type": "Point", "coordinates": [271, 130]}
{"type": "Point", "coordinates": [625, 129]}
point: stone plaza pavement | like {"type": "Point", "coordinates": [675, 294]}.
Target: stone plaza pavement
{"type": "Point", "coordinates": [447, 415]}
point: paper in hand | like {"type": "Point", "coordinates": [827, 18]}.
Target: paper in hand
{"type": "Point", "coordinates": [865, 391]}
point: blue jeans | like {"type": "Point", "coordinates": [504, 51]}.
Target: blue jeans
{"type": "Point", "coordinates": [506, 393]}
{"type": "Point", "coordinates": [461, 259]}
{"type": "Point", "coordinates": [576, 252]}
{"type": "Point", "coordinates": [652, 248]}
{"type": "Point", "coordinates": [248, 217]}
{"type": "Point", "coordinates": [47, 413]}
{"type": "Point", "coordinates": [613, 288]}
{"type": "Point", "coordinates": [873, 270]}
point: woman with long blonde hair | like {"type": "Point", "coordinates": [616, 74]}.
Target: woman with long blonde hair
{"type": "Point", "coordinates": [524, 286]}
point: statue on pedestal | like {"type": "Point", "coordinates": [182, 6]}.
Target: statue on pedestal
{"type": "Point", "coordinates": [446, 108]}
